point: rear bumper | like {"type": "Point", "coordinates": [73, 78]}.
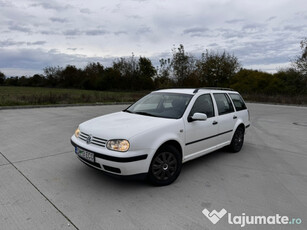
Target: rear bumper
{"type": "Point", "coordinates": [116, 165]}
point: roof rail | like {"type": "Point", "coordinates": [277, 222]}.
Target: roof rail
{"type": "Point", "coordinates": [213, 88]}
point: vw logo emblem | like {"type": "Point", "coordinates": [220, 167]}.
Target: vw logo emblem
{"type": "Point", "coordinates": [89, 139]}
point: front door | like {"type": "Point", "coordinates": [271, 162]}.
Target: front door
{"type": "Point", "coordinates": [201, 136]}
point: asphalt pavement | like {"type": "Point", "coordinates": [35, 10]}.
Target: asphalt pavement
{"type": "Point", "coordinates": [44, 186]}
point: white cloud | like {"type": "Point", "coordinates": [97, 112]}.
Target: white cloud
{"type": "Point", "coordinates": [261, 32]}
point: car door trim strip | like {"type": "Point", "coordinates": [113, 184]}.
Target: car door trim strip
{"type": "Point", "coordinates": [206, 138]}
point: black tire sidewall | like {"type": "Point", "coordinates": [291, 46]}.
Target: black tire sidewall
{"type": "Point", "coordinates": [232, 146]}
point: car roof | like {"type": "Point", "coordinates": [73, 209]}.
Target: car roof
{"type": "Point", "coordinates": [193, 91]}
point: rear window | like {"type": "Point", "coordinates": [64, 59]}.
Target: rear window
{"type": "Point", "coordinates": [223, 103]}
{"type": "Point", "coordinates": [237, 101]}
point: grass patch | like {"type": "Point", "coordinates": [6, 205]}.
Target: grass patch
{"type": "Point", "coordinates": [12, 96]}
{"type": "Point", "coordinates": [277, 99]}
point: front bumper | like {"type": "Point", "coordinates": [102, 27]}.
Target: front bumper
{"type": "Point", "coordinates": [119, 165]}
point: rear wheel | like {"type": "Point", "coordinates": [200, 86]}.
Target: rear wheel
{"type": "Point", "coordinates": [165, 166]}
{"type": "Point", "coordinates": [237, 140]}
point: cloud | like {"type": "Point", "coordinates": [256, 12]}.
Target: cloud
{"type": "Point", "coordinates": [90, 32]}
{"type": "Point", "coordinates": [85, 11]}
{"type": "Point", "coordinates": [143, 30]}
{"type": "Point", "coordinates": [19, 28]}
{"type": "Point", "coordinates": [234, 21]}
{"type": "Point", "coordinates": [254, 27]}
{"type": "Point", "coordinates": [9, 42]}
{"type": "Point", "coordinates": [256, 31]}
{"type": "Point", "coordinates": [120, 32]}
{"type": "Point", "coordinates": [5, 4]}
{"type": "Point", "coordinates": [37, 59]}
{"type": "Point", "coordinates": [51, 5]}
{"type": "Point", "coordinates": [36, 43]}
{"type": "Point", "coordinates": [60, 20]}
{"type": "Point", "coordinates": [96, 32]}
{"type": "Point", "coordinates": [73, 32]}
{"type": "Point", "coordinates": [196, 31]}
{"type": "Point", "coordinates": [137, 17]}
{"type": "Point", "coordinates": [295, 27]}
{"type": "Point", "coordinates": [271, 18]}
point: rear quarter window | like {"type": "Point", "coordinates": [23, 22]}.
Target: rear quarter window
{"type": "Point", "coordinates": [237, 101]}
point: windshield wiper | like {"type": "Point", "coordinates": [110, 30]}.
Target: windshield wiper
{"type": "Point", "coordinates": [126, 110]}
{"type": "Point", "coordinates": [145, 113]}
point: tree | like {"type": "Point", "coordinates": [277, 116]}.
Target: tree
{"type": "Point", "coordinates": [216, 69]}
{"type": "Point", "coordinates": [93, 74]}
{"type": "Point", "coordinates": [70, 77]}
{"type": "Point", "coordinates": [36, 80]}
{"type": "Point", "coordinates": [146, 72]}
{"type": "Point", "coordinates": [182, 64]}
{"type": "Point", "coordinates": [162, 79]}
{"type": "Point", "coordinates": [2, 78]}
{"type": "Point", "coordinates": [300, 63]}
{"type": "Point", "coordinates": [53, 75]}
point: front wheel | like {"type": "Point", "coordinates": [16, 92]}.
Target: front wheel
{"type": "Point", "coordinates": [237, 140]}
{"type": "Point", "coordinates": [165, 166]}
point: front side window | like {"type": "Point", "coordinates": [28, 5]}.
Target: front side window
{"type": "Point", "coordinates": [166, 105]}
{"type": "Point", "coordinates": [237, 101]}
{"type": "Point", "coordinates": [203, 104]}
{"type": "Point", "coordinates": [223, 103]}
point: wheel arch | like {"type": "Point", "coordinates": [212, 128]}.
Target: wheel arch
{"type": "Point", "coordinates": [173, 143]}
{"type": "Point", "coordinates": [239, 124]}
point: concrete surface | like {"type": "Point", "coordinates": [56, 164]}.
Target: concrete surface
{"type": "Point", "coordinates": [44, 186]}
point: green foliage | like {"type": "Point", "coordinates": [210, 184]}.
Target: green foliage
{"type": "Point", "coordinates": [2, 78]}
{"type": "Point", "coordinates": [135, 74]}
{"type": "Point", "coordinates": [217, 69]}
{"type": "Point", "coordinates": [286, 82]}
{"type": "Point", "coordinates": [183, 65]}
{"type": "Point", "coordinates": [300, 64]}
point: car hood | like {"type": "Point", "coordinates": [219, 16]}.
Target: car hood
{"type": "Point", "coordinates": [122, 125]}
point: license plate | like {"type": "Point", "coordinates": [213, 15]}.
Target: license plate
{"type": "Point", "coordinates": [85, 154]}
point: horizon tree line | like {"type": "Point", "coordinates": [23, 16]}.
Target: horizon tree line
{"type": "Point", "coordinates": [212, 69]}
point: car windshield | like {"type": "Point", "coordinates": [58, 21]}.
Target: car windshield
{"type": "Point", "coordinates": [166, 105]}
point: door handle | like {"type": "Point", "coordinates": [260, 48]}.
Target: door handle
{"type": "Point", "coordinates": [235, 117]}
{"type": "Point", "coordinates": [214, 122]}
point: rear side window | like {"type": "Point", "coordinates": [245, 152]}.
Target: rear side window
{"type": "Point", "coordinates": [203, 104]}
{"type": "Point", "coordinates": [237, 101]}
{"type": "Point", "coordinates": [223, 103]}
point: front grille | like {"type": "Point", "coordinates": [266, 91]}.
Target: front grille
{"type": "Point", "coordinates": [95, 140]}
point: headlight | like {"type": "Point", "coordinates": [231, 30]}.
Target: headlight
{"type": "Point", "coordinates": [77, 132]}
{"type": "Point", "coordinates": [118, 145]}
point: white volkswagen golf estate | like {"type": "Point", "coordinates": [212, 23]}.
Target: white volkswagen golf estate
{"type": "Point", "coordinates": [161, 131]}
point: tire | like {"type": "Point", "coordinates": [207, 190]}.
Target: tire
{"type": "Point", "coordinates": [237, 140]}
{"type": "Point", "coordinates": [165, 166]}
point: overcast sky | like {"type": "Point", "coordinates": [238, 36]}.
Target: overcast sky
{"type": "Point", "coordinates": [34, 34]}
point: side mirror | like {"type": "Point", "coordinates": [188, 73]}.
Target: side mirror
{"type": "Point", "coordinates": [197, 117]}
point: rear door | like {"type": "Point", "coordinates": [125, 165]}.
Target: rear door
{"type": "Point", "coordinates": [226, 117]}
